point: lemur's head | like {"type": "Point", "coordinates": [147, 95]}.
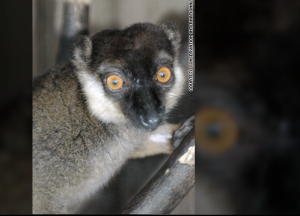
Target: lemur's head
{"type": "Point", "coordinates": [131, 75]}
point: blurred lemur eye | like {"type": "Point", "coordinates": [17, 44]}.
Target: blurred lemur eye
{"type": "Point", "coordinates": [216, 130]}
{"type": "Point", "coordinates": [164, 75]}
{"type": "Point", "coordinates": [114, 82]}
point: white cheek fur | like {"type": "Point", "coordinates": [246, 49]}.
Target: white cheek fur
{"type": "Point", "coordinates": [177, 90]}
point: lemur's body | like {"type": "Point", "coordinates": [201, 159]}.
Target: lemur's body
{"type": "Point", "coordinates": [84, 128]}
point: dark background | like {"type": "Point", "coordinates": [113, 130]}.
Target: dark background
{"type": "Point", "coordinates": [15, 107]}
{"type": "Point", "coordinates": [247, 66]}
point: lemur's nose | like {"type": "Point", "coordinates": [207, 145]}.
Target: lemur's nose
{"type": "Point", "coordinates": [150, 122]}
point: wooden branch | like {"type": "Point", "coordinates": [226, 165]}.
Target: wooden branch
{"type": "Point", "coordinates": [170, 185]}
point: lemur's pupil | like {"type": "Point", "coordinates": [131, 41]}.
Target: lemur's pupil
{"type": "Point", "coordinates": [162, 74]}
{"type": "Point", "coordinates": [115, 82]}
{"type": "Point", "coordinates": [213, 130]}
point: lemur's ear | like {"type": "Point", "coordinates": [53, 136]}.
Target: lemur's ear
{"type": "Point", "coordinates": [173, 34]}
{"type": "Point", "coordinates": [81, 53]}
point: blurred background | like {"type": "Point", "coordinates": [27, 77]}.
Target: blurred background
{"type": "Point", "coordinates": [51, 44]}
{"type": "Point", "coordinates": [247, 107]}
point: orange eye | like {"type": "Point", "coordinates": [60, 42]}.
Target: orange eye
{"type": "Point", "coordinates": [114, 82]}
{"type": "Point", "coordinates": [164, 75]}
{"type": "Point", "coordinates": [216, 130]}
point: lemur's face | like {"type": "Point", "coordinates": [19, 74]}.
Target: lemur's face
{"type": "Point", "coordinates": [137, 74]}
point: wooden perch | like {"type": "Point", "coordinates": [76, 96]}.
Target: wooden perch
{"type": "Point", "coordinates": [170, 185]}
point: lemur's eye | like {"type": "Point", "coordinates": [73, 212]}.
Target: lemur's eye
{"type": "Point", "coordinates": [216, 130]}
{"type": "Point", "coordinates": [164, 74]}
{"type": "Point", "coordinates": [114, 82]}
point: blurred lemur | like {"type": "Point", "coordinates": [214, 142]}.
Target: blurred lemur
{"type": "Point", "coordinates": [108, 104]}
